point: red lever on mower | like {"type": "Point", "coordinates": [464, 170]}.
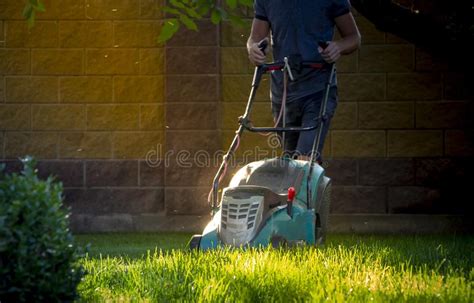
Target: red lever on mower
{"type": "Point", "coordinates": [291, 194]}
{"type": "Point", "coordinates": [289, 201]}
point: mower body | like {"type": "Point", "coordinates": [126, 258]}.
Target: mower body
{"type": "Point", "coordinates": [254, 212]}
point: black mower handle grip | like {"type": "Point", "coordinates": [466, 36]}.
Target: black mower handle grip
{"type": "Point", "coordinates": [323, 44]}
{"type": "Point", "coordinates": [262, 45]}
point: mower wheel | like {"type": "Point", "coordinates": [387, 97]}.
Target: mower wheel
{"type": "Point", "coordinates": [195, 242]}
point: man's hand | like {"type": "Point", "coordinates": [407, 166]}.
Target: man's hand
{"type": "Point", "coordinates": [259, 33]}
{"type": "Point", "coordinates": [331, 53]}
{"type": "Point", "coordinates": [256, 55]}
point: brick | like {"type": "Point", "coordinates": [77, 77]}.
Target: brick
{"type": "Point", "coordinates": [341, 171]}
{"type": "Point", "coordinates": [451, 175]}
{"type": "Point", "coordinates": [85, 145]}
{"type": "Point", "coordinates": [152, 172]}
{"type": "Point", "coordinates": [237, 88]}
{"type": "Point", "coordinates": [143, 89]}
{"type": "Point", "coordinates": [152, 117]}
{"type": "Point", "coordinates": [459, 143]}
{"type": "Point", "coordinates": [427, 62]}
{"type": "Point", "coordinates": [12, 166]}
{"type": "Point", "coordinates": [380, 172]}
{"type": "Point", "coordinates": [438, 172]}
{"type": "Point", "coordinates": [442, 114]}
{"type": "Point", "coordinates": [86, 34]}
{"type": "Point", "coordinates": [201, 60]}
{"type": "Point", "coordinates": [358, 143]}
{"type": "Point", "coordinates": [44, 34]}
{"type": "Point", "coordinates": [366, 87]}
{"type": "Point", "coordinates": [261, 115]}
{"type": "Point", "coordinates": [70, 173]}
{"type": "Point", "coordinates": [111, 173]}
{"type": "Point", "coordinates": [57, 62]}
{"type": "Point", "coordinates": [136, 33]}
{"type": "Point", "coordinates": [386, 58]}
{"type": "Point", "coordinates": [191, 88]}
{"type": "Point", "coordinates": [151, 9]}
{"type": "Point", "coordinates": [2, 89]}
{"type": "Point", "coordinates": [190, 141]}
{"type": "Point", "coordinates": [375, 115]}
{"type": "Point", "coordinates": [394, 39]}
{"type": "Point", "coordinates": [458, 86]}
{"type": "Point", "coordinates": [196, 174]}
{"type": "Point", "coordinates": [186, 201]}
{"type": "Point", "coordinates": [234, 60]}
{"type": "Point", "coordinates": [2, 35]}
{"type": "Point", "coordinates": [327, 147]}
{"type": "Point", "coordinates": [51, 11]}
{"type": "Point", "coordinates": [128, 145]}
{"type": "Point", "coordinates": [206, 36]}
{"type": "Point", "coordinates": [14, 61]}
{"type": "Point", "coordinates": [71, 9]}
{"type": "Point", "coordinates": [14, 117]}
{"type": "Point", "coordinates": [112, 61]}
{"type": "Point", "coordinates": [252, 147]}
{"type": "Point", "coordinates": [412, 143]}
{"type": "Point", "coordinates": [113, 117]}
{"type": "Point", "coordinates": [11, 9]}
{"type": "Point", "coordinates": [37, 144]}
{"type": "Point", "coordinates": [112, 9]}
{"type": "Point", "coordinates": [32, 89]}
{"type": "Point", "coordinates": [86, 90]}
{"type": "Point", "coordinates": [58, 117]}
{"type": "Point", "coordinates": [152, 61]}
{"type": "Point", "coordinates": [233, 35]}
{"type": "Point", "coordinates": [358, 199]}
{"type": "Point", "coordinates": [348, 63]}
{"type": "Point", "coordinates": [370, 34]}
{"type": "Point", "coordinates": [412, 200]}
{"type": "Point", "coordinates": [413, 86]}
{"type": "Point", "coordinates": [345, 116]}
{"type": "Point", "coordinates": [2, 140]}
{"type": "Point", "coordinates": [114, 201]}
{"type": "Point", "coordinates": [191, 116]}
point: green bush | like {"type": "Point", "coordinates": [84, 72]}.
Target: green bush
{"type": "Point", "coordinates": [38, 257]}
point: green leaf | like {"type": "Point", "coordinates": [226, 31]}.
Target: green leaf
{"type": "Point", "coordinates": [170, 27]}
{"type": "Point", "coordinates": [216, 16]}
{"type": "Point", "coordinates": [189, 23]}
{"type": "Point", "coordinates": [231, 3]}
{"type": "Point", "coordinates": [171, 10]}
{"type": "Point", "coordinates": [40, 7]}
{"type": "Point", "coordinates": [248, 3]}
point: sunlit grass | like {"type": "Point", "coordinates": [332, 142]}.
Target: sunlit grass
{"type": "Point", "coordinates": [347, 269]}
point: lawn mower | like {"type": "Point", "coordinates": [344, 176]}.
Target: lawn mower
{"type": "Point", "coordinates": [280, 201]}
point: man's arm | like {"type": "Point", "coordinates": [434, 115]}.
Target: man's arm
{"type": "Point", "coordinates": [260, 31]}
{"type": "Point", "coordinates": [349, 42]}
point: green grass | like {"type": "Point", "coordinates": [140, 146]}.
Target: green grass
{"type": "Point", "coordinates": [157, 268]}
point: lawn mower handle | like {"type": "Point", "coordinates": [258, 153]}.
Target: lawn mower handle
{"type": "Point", "coordinates": [244, 121]}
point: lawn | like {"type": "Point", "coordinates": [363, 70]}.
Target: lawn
{"type": "Point", "coordinates": [158, 268]}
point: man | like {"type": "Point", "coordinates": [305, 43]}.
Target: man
{"type": "Point", "coordinates": [296, 28]}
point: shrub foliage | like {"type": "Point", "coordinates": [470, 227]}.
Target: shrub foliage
{"type": "Point", "coordinates": [38, 257]}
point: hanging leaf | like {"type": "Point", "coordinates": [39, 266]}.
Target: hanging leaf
{"type": "Point", "coordinates": [188, 22]}
{"type": "Point", "coordinates": [231, 3]}
{"type": "Point", "coordinates": [170, 27]}
{"type": "Point", "coordinates": [216, 16]}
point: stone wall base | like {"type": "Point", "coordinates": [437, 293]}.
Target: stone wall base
{"type": "Point", "coordinates": [351, 223]}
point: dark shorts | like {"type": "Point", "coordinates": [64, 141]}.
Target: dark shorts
{"type": "Point", "coordinates": [304, 112]}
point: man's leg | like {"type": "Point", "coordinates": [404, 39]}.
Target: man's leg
{"type": "Point", "coordinates": [311, 110]}
{"type": "Point", "coordinates": [293, 119]}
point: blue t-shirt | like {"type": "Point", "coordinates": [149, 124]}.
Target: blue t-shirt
{"type": "Point", "coordinates": [296, 27]}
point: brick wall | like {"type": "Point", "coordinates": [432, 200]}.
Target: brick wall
{"type": "Point", "coordinates": [90, 93]}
